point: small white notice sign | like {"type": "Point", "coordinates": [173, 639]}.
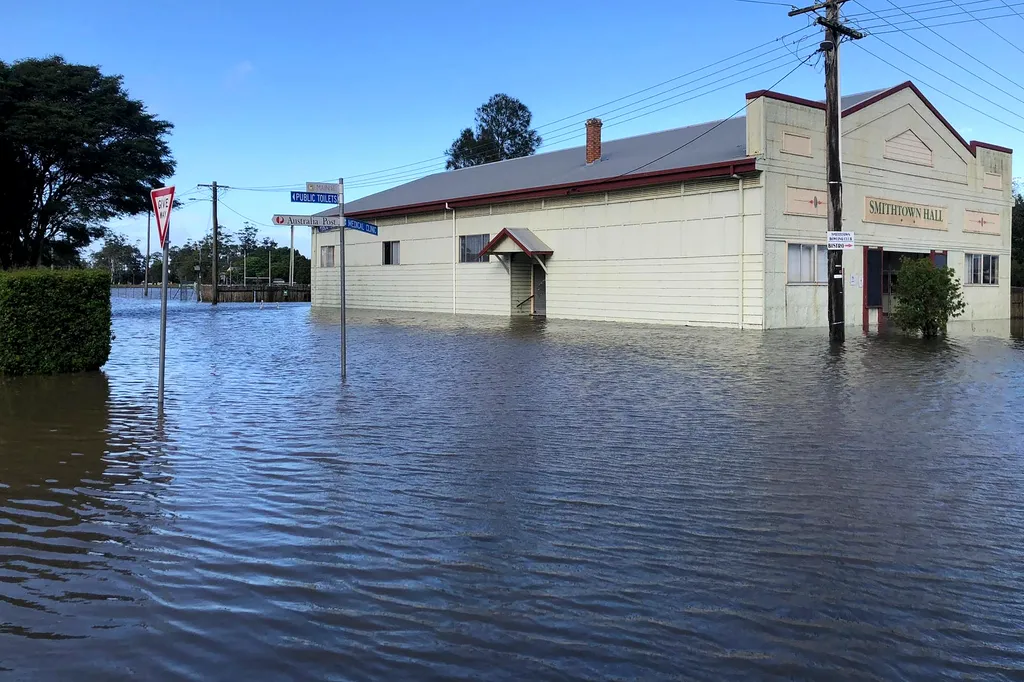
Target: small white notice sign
{"type": "Point", "coordinates": [840, 241]}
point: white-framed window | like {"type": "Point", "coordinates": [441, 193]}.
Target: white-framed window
{"type": "Point", "coordinates": [327, 256]}
{"type": "Point", "coordinates": [390, 253]}
{"type": "Point", "coordinates": [981, 269]}
{"type": "Point", "coordinates": [470, 245]}
{"type": "Point", "coordinates": [808, 264]}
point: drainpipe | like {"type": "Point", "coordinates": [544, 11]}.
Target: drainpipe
{"type": "Point", "coordinates": [455, 261]}
{"type": "Point", "coordinates": [743, 244]}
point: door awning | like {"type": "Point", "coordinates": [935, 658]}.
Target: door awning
{"type": "Point", "coordinates": [517, 240]}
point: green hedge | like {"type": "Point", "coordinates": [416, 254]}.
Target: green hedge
{"type": "Point", "coordinates": [54, 321]}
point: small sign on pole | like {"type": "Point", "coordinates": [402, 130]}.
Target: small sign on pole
{"type": "Point", "coordinates": [315, 197]}
{"type": "Point", "coordinates": [163, 202]}
{"type": "Point", "coordinates": [307, 220]}
{"type": "Point", "coordinates": [840, 241]}
{"type": "Point", "coordinates": [324, 187]}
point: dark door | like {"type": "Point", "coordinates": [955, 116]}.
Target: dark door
{"type": "Point", "coordinates": [873, 278]}
{"type": "Point", "coordinates": [540, 286]}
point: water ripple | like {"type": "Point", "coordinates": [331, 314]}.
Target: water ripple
{"type": "Point", "coordinates": [509, 500]}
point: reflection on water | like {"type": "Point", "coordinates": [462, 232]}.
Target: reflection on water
{"type": "Point", "coordinates": [514, 499]}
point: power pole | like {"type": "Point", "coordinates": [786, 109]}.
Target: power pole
{"type": "Point", "coordinates": [216, 237]}
{"type": "Point", "coordinates": [835, 31]}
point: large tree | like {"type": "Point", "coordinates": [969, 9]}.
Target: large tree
{"type": "Point", "coordinates": [75, 151]}
{"type": "Point", "coordinates": [502, 132]}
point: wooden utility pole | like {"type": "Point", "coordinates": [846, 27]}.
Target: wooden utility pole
{"type": "Point", "coordinates": [215, 294]}
{"type": "Point", "coordinates": [835, 31]}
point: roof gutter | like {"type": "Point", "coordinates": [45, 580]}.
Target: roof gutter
{"type": "Point", "coordinates": [713, 170]}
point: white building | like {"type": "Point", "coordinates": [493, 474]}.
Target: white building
{"type": "Point", "coordinates": [718, 224]}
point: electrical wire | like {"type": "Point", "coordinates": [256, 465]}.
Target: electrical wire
{"type": "Point", "coordinates": [941, 92]}
{"type": "Point", "coordinates": [960, 85]}
{"type": "Point", "coordinates": [720, 123]}
{"type": "Point", "coordinates": [907, 25]}
{"type": "Point", "coordinates": [1000, 35]}
{"type": "Point", "coordinates": [963, 51]}
{"type": "Point", "coordinates": [243, 217]}
{"type": "Point", "coordinates": [546, 125]}
{"type": "Point", "coordinates": [614, 120]}
{"type": "Point", "coordinates": [947, 4]}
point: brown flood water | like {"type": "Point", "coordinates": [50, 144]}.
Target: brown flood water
{"type": "Point", "coordinates": [495, 500]}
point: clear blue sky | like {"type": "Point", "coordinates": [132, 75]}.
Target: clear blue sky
{"type": "Point", "coordinates": [273, 93]}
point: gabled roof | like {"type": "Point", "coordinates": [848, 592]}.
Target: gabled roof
{"type": "Point", "coordinates": [709, 149]}
{"type": "Point", "coordinates": [525, 239]}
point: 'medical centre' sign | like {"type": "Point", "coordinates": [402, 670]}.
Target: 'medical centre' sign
{"type": "Point", "coordinates": [889, 212]}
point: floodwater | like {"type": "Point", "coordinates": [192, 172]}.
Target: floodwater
{"type": "Point", "coordinates": [501, 500]}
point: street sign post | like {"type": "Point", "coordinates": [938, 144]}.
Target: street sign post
{"type": "Point", "coordinates": [341, 239]}
{"type": "Point", "coordinates": [163, 202]}
{"type": "Point", "coordinates": [315, 197]}
{"type": "Point", "coordinates": [840, 241]}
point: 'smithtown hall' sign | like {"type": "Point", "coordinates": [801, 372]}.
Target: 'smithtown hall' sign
{"type": "Point", "coordinates": [889, 212]}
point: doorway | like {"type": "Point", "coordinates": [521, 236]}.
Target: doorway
{"type": "Point", "coordinates": [540, 287]}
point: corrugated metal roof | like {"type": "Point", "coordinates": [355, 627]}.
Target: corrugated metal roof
{"type": "Point", "coordinates": [524, 238]}
{"type": "Point", "coordinates": [704, 144]}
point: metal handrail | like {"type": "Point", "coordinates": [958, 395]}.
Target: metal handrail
{"type": "Point", "coordinates": [526, 300]}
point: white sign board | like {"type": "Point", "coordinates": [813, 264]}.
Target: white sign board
{"type": "Point", "coordinates": [322, 187]}
{"type": "Point", "coordinates": [308, 220]}
{"type": "Point", "coordinates": [840, 241]}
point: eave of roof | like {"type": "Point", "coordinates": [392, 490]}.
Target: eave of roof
{"type": "Point", "coordinates": [739, 166]}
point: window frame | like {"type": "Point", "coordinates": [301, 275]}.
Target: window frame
{"type": "Point", "coordinates": [817, 278]}
{"type": "Point", "coordinates": [463, 253]}
{"type": "Point", "coordinates": [976, 272]}
{"type": "Point", "coordinates": [391, 252]}
{"type": "Point", "coordinates": [328, 249]}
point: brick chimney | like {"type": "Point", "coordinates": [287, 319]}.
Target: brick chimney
{"type": "Point", "coordinates": [593, 140]}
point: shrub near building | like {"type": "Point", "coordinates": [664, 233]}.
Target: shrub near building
{"type": "Point", "coordinates": [54, 321]}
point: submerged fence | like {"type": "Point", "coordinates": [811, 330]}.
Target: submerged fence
{"type": "Point", "coordinates": [175, 292]}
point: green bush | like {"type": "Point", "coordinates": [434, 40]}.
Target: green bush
{"type": "Point", "coordinates": [54, 321]}
{"type": "Point", "coordinates": [926, 297]}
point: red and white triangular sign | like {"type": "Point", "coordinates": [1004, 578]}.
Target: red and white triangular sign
{"type": "Point", "coordinates": [163, 201]}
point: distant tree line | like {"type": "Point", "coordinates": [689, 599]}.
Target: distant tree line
{"type": "Point", "coordinates": [241, 258]}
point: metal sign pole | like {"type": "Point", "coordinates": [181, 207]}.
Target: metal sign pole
{"type": "Point", "coordinates": [341, 216]}
{"type": "Point", "coordinates": [163, 330]}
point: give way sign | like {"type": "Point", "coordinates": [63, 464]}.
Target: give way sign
{"type": "Point", "coordinates": [163, 200]}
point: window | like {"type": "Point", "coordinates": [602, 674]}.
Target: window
{"type": "Point", "coordinates": [391, 253]}
{"type": "Point", "coordinates": [808, 263]}
{"type": "Point", "coordinates": [327, 256]}
{"type": "Point", "coordinates": [472, 244]}
{"type": "Point", "coordinates": [979, 269]}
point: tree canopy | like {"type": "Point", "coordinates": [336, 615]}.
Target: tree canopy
{"type": "Point", "coordinates": [75, 150]}
{"type": "Point", "coordinates": [502, 132]}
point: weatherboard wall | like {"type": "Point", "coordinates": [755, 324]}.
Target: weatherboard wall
{"type": "Point", "coordinates": [666, 254]}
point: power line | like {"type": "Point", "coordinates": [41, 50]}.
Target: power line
{"type": "Point", "coordinates": [963, 51]}
{"type": "Point", "coordinates": [946, 94]}
{"type": "Point", "coordinates": [765, 2]}
{"type": "Point", "coordinates": [580, 113]}
{"type": "Point", "coordinates": [1011, 9]}
{"type": "Point", "coordinates": [720, 123]}
{"type": "Point", "coordinates": [372, 183]}
{"type": "Point", "coordinates": [243, 217]}
{"type": "Point", "coordinates": [906, 26]}
{"type": "Point", "coordinates": [1001, 36]}
{"type": "Point", "coordinates": [625, 117]}
{"type": "Point", "coordinates": [947, 4]}
{"type": "Point", "coordinates": [976, 94]}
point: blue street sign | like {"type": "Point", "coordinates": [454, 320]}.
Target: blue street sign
{"type": "Point", "coordinates": [314, 198]}
{"type": "Point", "coordinates": [354, 224]}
